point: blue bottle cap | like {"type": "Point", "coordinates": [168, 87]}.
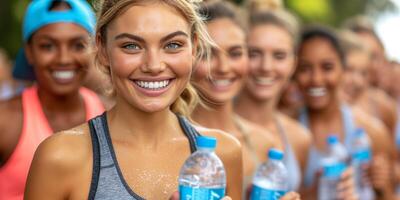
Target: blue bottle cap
{"type": "Point", "coordinates": [275, 154]}
{"type": "Point", "coordinates": [332, 139]}
{"type": "Point", "coordinates": [359, 132]}
{"type": "Point", "coordinates": [206, 142]}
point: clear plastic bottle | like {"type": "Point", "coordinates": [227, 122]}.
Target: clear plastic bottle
{"type": "Point", "coordinates": [271, 179]}
{"type": "Point", "coordinates": [202, 177]}
{"type": "Point", "coordinates": [333, 163]}
{"type": "Point", "coordinates": [361, 157]}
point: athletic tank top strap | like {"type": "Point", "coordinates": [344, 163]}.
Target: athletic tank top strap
{"type": "Point", "coordinates": [289, 159]}
{"type": "Point", "coordinates": [107, 179]}
{"type": "Point", "coordinates": [190, 132]}
{"type": "Point", "coordinates": [349, 125]}
{"type": "Point", "coordinates": [314, 156]}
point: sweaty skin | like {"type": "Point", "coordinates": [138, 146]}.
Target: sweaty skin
{"type": "Point", "coordinates": [146, 42]}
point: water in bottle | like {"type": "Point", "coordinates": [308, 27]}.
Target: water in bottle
{"type": "Point", "coordinates": [271, 178]}
{"type": "Point", "coordinates": [333, 163]}
{"type": "Point", "coordinates": [361, 157]}
{"type": "Point", "coordinates": [202, 177]}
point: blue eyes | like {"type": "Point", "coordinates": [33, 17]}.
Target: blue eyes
{"type": "Point", "coordinates": [131, 47]}
{"type": "Point", "coordinates": [173, 46]}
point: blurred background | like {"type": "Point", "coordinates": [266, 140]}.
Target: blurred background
{"type": "Point", "coordinates": [384, 13]}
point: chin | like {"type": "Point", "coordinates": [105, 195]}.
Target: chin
{"type": "Point", "coordinates": [316, 106]}
{"type": "Point", "coordinates": [65, 90]}
{"type": "Point", "coordinates": [152, 108]}
{"type": "Point", "coordinates": [263, 96]}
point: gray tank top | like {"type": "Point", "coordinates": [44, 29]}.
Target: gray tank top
{"type": "Point", "coordinates": [107, 179]}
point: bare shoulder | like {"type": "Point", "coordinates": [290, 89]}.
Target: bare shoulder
{"type": "Point", "coordinates": [226, 143]}
{"type": "Point", "coordinates": [385, 102]}
{"type": "Point", "coordinates": [367, 121]}
{"type": "Point", "coordinates": [258, 134]}
{"type": "Point", "coordinates": [296, 130]}
{"type": "Point", "coordinates": [60, 162]}
{"type": "Point", "coordinates": [65, 151]}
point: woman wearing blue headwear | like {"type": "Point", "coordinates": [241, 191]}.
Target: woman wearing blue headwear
{"type": "Point", "coordinates": [56, 37]}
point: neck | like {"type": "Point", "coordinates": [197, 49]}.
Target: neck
{"type": "Point", "coordinates": [60, 103]}
{"type": "Point", "coordinates": [215, 116]}
{"type": "Point", "coordinates": [260, 112]}
{"type": "Point", "coordinates": [326, 114]}
{"type": "Point", "coordinates": [144, 128]}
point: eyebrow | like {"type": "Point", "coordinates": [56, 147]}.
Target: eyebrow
{"type": "Point", "coordinates": [140, 39]}
{"type": "Point", "coordinates": [236, 47]}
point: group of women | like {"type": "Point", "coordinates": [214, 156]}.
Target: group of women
{"type": "Point", "coordinates": [180, 69]}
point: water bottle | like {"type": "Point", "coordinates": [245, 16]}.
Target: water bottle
{"type": "Point", "coordinates": [361, 156]}
{"type": "Point", "coordinates": [271, 179]}
{"type": "Point", "coordinates": [202, 176]}
{"type": "Point", "coordinates": [333, 163]}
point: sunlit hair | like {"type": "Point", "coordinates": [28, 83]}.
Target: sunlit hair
{"type": "Point", "coordinates": [362, 25]}
{"type": "Point", "coordinates": [217, 9]}
{"type": "Point", "coordinates": [264, 5]}
{"type": "Point", "coordinates": [214, 10]}
{"type": "Point", "coordinates": [352, 43]}
{"type": "Point", "coordinates": [108, 10]}
{"type": "Point", "coordinates": [280, 18]}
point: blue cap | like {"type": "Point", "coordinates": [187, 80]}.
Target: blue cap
{"type": "Point", "coordinates": [38, 14]}
{"type": "Point", "coordinates": [275, 154]}
{"type": "Point", "coordinates": [22, 69]}
{"type": "Point", "coordinates": [206, 142]}
{"type": "Point", "coordinates": [332, 139]}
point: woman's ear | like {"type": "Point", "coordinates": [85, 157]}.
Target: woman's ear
{"type": "Point", "coordinates": [101, 51]}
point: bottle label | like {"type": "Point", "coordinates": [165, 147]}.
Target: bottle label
{"type": "Point", "coordinates": [334, 170]}
{"type": "Point", "coordinates": [258, 193]}
{"type": "Point", "coordinates": [362, 155]}
{"type": "Point", "coordinates": [190, 193]}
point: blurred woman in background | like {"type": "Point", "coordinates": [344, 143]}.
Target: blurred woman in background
{"type": "Point", "coordinates": [271, 41]}
{"type": "Point", "coordinates": [321, 62]}
{"type": "Point", "coordinates": [219, 82]}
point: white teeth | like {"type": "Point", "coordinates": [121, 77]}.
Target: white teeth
{"type": "Point", "coordinates": [152, 85]}
{"type": "Point", "coordinates": [264, 80]}
{"type": "Point", "coordinates": [222, 83]}
{"type": "Point", "coordinates": [317, 92]}
{"type": "Point", "coordinates": [63, 74]}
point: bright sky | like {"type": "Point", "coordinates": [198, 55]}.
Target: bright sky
{"type": "Point", "coordinates": [388, 28]}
